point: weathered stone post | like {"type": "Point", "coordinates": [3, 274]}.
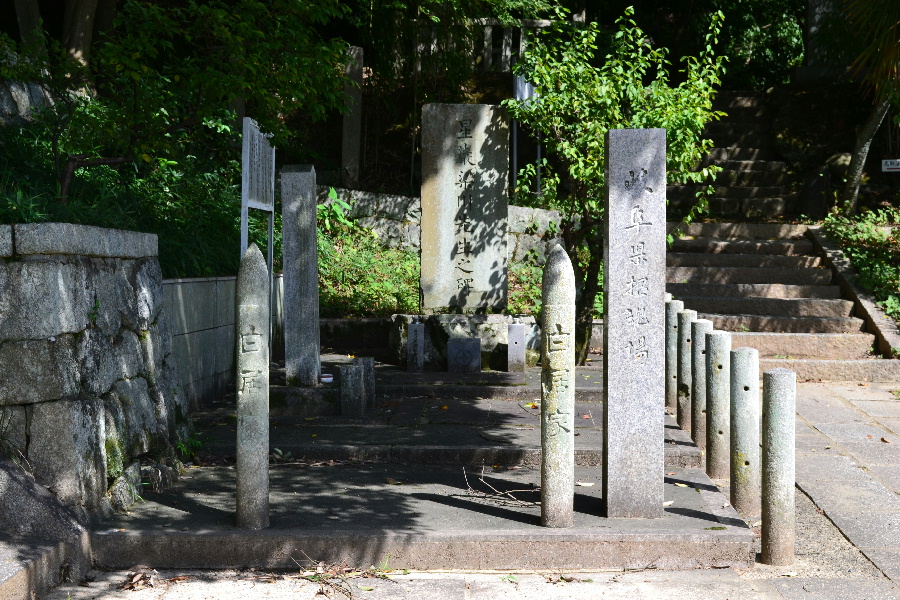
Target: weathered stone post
{"type": "Point", "coordinates": [352, 130]}
{"type": "Point", "coordinates": [302, 360]}
{"type": "Point", "coordinates": [415, 347]}
{"type": "Point", "coordinates": [745, 467]}
{"type": "Point", "coordinates": [515, 347]}
{"type": "Point", "coordinates": [353, 392]}
{"type": "Point", "coordinates": [779, 410]}
{"type": "Point", "coordinates": [634, 320]}
{"type": "Point", "coordinates": [685, 362]}
{"type": "Point", "coordinates": [699, 329]}
{"type": "Point", "coordinates": [673, 307]}
{"type": "Point", "coordinates": [253, 391]}
{"type": "Point", "coordinates": [558, 391]}
{"type": "Point", "coordinates": [718, 404]}
{"type": "Point", "coordinates": [367, 363]}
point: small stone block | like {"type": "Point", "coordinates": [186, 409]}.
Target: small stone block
{"type": "Point", "coordinates": [6, 245]}
{"type": "Point", "coordinates": [515, 362]}
{"type": "Point", "coordinates": [368, 366]}
{"type": "Point", "coordinates": [415, 347]}
{"type": "Point", "coordinates": [463, 355]}
{"type": "Point", "coordinates": [353, 393]}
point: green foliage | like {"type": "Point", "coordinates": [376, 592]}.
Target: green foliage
{"type": "Point", "coordinates": [331, 216]}
{"type": "Point", "coordinates": [358, 277]}
{"type": "Point", "coordinates": [872, 243]}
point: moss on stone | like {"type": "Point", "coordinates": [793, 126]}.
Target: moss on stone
{"type": "Point", "coordinates": [115, 458]}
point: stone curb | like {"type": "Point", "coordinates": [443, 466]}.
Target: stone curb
{"type": "Point", "coordinates": [6, 244]}
{"type": "Point", "coordinates": [871, 370]}
{"type": "Point", "coordinates": [83, 240]}
{"type": "Point", "coordinates": [886, 331]}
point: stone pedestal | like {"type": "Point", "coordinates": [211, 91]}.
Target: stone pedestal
{"type": "Point", "coordinates": [463, 355]}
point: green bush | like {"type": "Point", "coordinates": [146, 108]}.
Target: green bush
{"type": "Point", "coordinates": [872, 243]}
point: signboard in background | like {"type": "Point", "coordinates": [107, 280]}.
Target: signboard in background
{"type": "Point", "coordinates": [891, 165]}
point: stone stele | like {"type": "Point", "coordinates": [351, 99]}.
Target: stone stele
{"type": "Point", "coordinates": [253, 391]}
{"type": "Point", "coordinates": [634, 314]}
{"type": "Point", "coordinates": [465, 166]}
{"type": "Point", "coordinates": [558, 391]}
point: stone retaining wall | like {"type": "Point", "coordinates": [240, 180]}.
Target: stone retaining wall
{"type": "Point", "coordinates": [87, 383]}
{"type": "Point", "coordinates": [396, 221]}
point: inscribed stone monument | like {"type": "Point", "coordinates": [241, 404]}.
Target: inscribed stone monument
{"type": "Point", "coordinates": [301, 275]}
{"type": "Point", "coordinates": [464, 355]}
{"type": "Point", "coordinates": [252, 468]}
{"type": "Point", "coordinates": [465, 165]}
{"type": "Point", "coordinates": [558, 391]}
{"type": "Point", "coordinates": [634, 315]}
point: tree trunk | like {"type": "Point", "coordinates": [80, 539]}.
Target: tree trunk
{"type": "Point", "coordinates": [104, 16]}
{"type": "Point", "coordinates": [29, 16]}
{"type": "Point", "coordinates": [78, 28]}
{"type": "Point", "coordinates": [584, 308]}
{"type": "Point", "coordinates": [860, 152]}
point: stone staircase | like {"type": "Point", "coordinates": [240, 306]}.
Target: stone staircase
{"type": "Point", "coordinates": [752, 180]}
{"type": "Point", "coordinates": [766, 284]}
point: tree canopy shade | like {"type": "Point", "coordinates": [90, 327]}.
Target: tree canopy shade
{"type": "Point", "coordinates": [581, 95]}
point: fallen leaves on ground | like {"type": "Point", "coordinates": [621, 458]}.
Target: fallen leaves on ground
{"type": "Point", "coordinates": [140, 578]}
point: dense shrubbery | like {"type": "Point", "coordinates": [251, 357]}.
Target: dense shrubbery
{"type": "Point", "coordinates": [872, 243]}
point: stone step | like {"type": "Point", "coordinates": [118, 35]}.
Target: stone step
{"type": "Point", "coordinates": [753, 290]}
{"type": "Point", "coordinates": [688, 259]}
{"type": "Point", "coordinates": [748, 139]}
{"type": "Point", "coordinates": [715, 246]}
{"type": "Point", "coordinates": [775, 307]}
{"type": "Point", "coordinates": [752, 165]}
{"type": "Point", "coordinates": [871, 370]}
{"type": "Point", "coordinates": [738, 99]}
{"type": "Point", "coordinates": [827, 346]}
{"type": "Point", "coordinates": [747, 178]}
{"type": "Point", "coordinates": [744, 231]}
{"type": "Point", "coordinates": [741, 153]}
{"type": "Point", "coordinates": [738, 126]}
{"type": "Point", "coordinates": [731, 208]}
{"type": "Point", "coordinates": [722, 191]}
{"type": "Point", "coordinates": [760, 323]}
{"type": "Point", "coordinates": [748, 275]}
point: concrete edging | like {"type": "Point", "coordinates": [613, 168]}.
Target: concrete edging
{"type": "Point", "coordinates": [887, 333]}
{"type": "Point", "coordinates": [83, 240]}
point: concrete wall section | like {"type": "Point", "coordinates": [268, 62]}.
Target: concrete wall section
{"type": "Point", "coordinates": [200, 313]}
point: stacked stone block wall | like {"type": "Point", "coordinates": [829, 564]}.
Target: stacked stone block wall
{"type": "Point", "coordinates": [87, 381]}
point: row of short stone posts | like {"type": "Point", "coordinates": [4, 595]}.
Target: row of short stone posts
{"type": "Point", "coordinates": [715, 393]}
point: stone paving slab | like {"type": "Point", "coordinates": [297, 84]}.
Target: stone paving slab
{"type": "Point", "coordinates": [869, 528]}
{"type": "Point", "coordinates": [856, 432]}
{"type": "Point", "coordinates": [889, 476]}
{"type": "Point", "coordinates": [423, 517]}
{"type": "Point", "coordinates": [874, 452]}
{"type": "Point", "coordinates": [853, 495]}
{"type": "Point", "coordinates": [887, 559]}
{"type": "Point", "coordinates": [879, 408]}
{"type": "Point", "coordinates": [819, 589]}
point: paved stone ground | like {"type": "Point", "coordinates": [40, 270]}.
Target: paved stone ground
{"type": "Point", "coordinates": [848, 533]}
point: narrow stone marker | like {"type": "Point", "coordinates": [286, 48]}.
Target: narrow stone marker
{"type": "Point", "coordinates": [558, 391]}
{"type": "Point", "coordinates": [302, 360]}
{"type": "Point", "coordinates": [368, 369]}
{"type": "Point", "coordinates": [353, 391]}
{"type": "Point", "coordinates": [685, 365]}
{"type": "Point", "coordinates": [699, 329]}
{"type": "Point", "coordinates": [718, 404]}
{"type": "Point", "coordinates": [673, 307]}
{"type": "Point", "coordinates": [634, 323]}
{"type": "Point", "coordinates": [252, 391]}
{"type": "Point", "coordinates": [415, 347]}
{"type": "Point", "coordinates": [745, 467]}
{"type": "Point", "coordinates": [515, 347]}
{"type": "Point", "coordinates": [778, 477]}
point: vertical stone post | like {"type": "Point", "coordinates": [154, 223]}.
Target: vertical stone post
{"type": "Point", "coordinates": [745, 455]}
{"type": "Point", "coordinates": [515, 347]}
{"type": "Point", "coordinates": [352, 130]}
{"type": "Point", "coordinates": [673, 307]}
{"type": "Point", "coordinates": [718, 404]}
{"type": "Point", "coordinates": [252, 391]}
{"type": "Point", "coordinates": [558, 391]}
{"type": "Point", "coordinates": [779, 410]}
{"type": "Point", "coordinates": [367, 363]}
{"type": "Point", "coordinates": [685, 364]}
{"type": "Point", "coordinates": [301, 276]}
{"type": "Point", "coordinates": [699, 329]}
{"type": "Point", "coordinates": [353, 392]}
{"type": "Point", "coordinates": [634, 323]}
{"type": "Point", "coordinates": [415, 347]}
